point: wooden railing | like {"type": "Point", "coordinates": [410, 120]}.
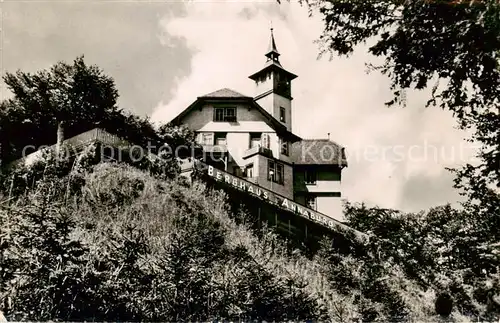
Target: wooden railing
{"type": "Point", "coordinates": [77, 143]}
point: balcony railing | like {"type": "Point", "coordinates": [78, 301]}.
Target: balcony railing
{"type": "Point", "coordinates": [215, 149]}
{"type": "Point", "coordinates": [258, 150]}
{"type": "Point", "coordinates": [75, 144]}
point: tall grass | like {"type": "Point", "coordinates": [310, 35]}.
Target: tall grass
{"type": "Point", "coordinates": [124, 245]}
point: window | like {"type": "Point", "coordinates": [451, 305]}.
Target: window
{"type": "Point", "coordinates": [280, 170]}
{"type": "Point", "coordinates": [219, 114]}
{"type": "Point", "coordinates": [275, 172]}
{"type": "Point", "coordinates": [220, 138]}
{"type": "Point", "coordinates": [255, 138]}
{"type": "Point", "coordinates": [284, 147]}
{"type": "Point", "coordinates": [310, 176]}
{"type": "Point", "coordinates": [225, 114]}
{"type": "Point", "coordinates": [237, 171]}
{"type": "Point", "coordinates": [207, 139]}
{"type": "Point", "coordinates": [311, 202]}
{"type": "Point", "coordinates": [282, 114]}
{"type": "Point", "coordinates": [266, 142]}
{"type": "Point", "coordinates": [249, 171]}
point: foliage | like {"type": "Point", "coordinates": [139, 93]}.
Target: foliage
{"type": "Point", "coordinates": [454, 44]}
{"type": "Point", "coordinates": [80, 96]}
{"type": "Point", "coordinates": [444, 249]}
{"type": "Point", "coordinates": [452, 47]}
{"type": "Point", "coordinates": [139, 248]}
{"type": "Point", "coordinates": [130, 247]}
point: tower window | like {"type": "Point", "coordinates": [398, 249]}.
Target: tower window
{"type": "Point", "coordinates": [282, 114]}
{"type": "Point", "coordinates": [225, 114]}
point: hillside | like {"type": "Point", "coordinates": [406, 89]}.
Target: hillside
{"type": "Point", "coordinates": [86, 240]}
{"type": "Point", "coordinates": [112, 242]}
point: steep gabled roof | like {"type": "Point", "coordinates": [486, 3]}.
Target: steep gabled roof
{"type": "Point", "coordinates": [318, 152]}
{"type": "Point", "coordinates": [224, 93]}
{"type": "Point", "coordinates": [228, 95]}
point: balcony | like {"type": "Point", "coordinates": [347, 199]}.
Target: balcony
{"type": "Point", "coordinates": [257, 150]}
{"type": "Point", "coordinates": [215, 149]}
{"type": "Point", "coordinates": [323, 186]}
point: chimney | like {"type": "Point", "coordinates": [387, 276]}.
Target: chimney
{"type": "Point", "coordinates": [328, 136]}
{"type": "Point", "coordinates": [60, 134]}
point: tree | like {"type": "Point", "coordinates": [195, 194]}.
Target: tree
{"type": "Point", "coordinates": [443, 249]}
{"type": "Point", "coordinates": [453, 44]}
{"type": "Point", "coordinates": [74, 98]}
{"type": "Point", "coordinates": [78, 95]}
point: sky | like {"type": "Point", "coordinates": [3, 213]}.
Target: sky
{"type": "Point", "coordinates": [164, 54]}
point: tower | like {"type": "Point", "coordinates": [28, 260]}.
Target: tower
{"type": "Point", "coordinates": [273, 86]}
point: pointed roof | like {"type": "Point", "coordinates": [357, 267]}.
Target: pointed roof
{"type": "Point", "coordinates": [272, 61]}
{"type": "Point", "coordinates": [228, 95]}
{"type": "Point", "coordinates": [224, 93]}
{"type": "Point", "coordinates": [272, 51]}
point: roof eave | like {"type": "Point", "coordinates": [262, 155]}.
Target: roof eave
{"type": "Point", "coordinates": [272, 66]}
{"type": "Point", "coordinates": [202, 99]}
{"type": "Point", "coordinates": [341, 164]}
{"type": "Point", "coordinates": [177, 119]}
{"type": "Point", "coordinates": [279, 127]}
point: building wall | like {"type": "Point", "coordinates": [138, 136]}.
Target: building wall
{"type": "Point", "coordinates": [328, 179]}
{"type": "Point", "coordinates": [266, 102]}
{"type": "Point", "coordinates": [275, 146]}
{"type": "Point", "coordinates": [331, 206]}
{"type": "Point", "coordinates": [238, 142]}
{"type": "Point", "coordinates": [264, 84]}
{"type": "Point", "coordinates": [323, 186]}
{"type": "Point", "coordinates": [286, 189]}
{"type": "Point", "coordinates": [325, 203]}
{"type": "Point", "coordinates": [327, 189]}
{"type": "Point", "coordinates": [272, 103]}
{"type": "Point", "coordinates": [280, 101]}
{"type": "Point", "coordinates": [201, 117]}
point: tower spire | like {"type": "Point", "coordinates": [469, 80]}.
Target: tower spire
{"type": "Point", "coordinates": [272, 52]}
{"type": "Point", "coordinates": [273, 86]}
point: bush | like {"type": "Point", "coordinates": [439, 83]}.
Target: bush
{"type": "Point", "coordinates": [166, 252]}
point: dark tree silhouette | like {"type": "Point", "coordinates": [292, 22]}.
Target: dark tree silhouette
{"type": "Point", "coordinates": [451, 46]}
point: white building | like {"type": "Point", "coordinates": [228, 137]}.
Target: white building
{"type": "Point", "coordinates": [252, 138]}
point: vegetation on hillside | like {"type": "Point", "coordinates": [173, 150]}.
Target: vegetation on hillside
{"type": "Point", "coordinates": [111, 242]}
{"type": "Point", "coordinates": [79, 97]}
{"type": "Point", "coordinates": [85, 240]}
{"type": "Point", "coordinates": [451, 48]}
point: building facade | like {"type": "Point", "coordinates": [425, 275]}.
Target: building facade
{"type": "Point", "coordinates": [252, 138]}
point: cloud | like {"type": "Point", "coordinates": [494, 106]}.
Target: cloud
{"type": "Point", "coordinates": [228, 41]}
{"type": "Point", "coordinates": [122, 38]}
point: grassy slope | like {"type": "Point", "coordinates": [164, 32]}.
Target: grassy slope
{"type": "Point", "coordinates": [162, 250]}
